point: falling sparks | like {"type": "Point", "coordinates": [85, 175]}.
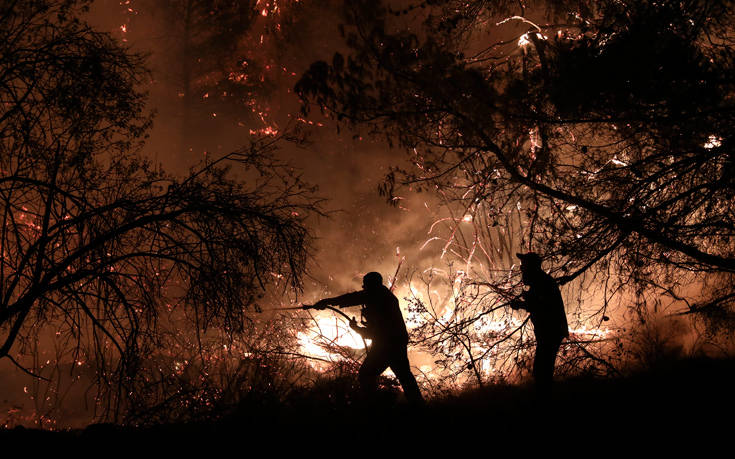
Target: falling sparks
{"type": "Point", "coordinates": [326, 333]}
{"type": "Point", "coordinates": [266, 131]}
{"type": "Point", "coordinates": [130, 11]}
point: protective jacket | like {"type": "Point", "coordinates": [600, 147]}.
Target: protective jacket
{"type": "Point", "coordinates": [384, 322]}
{"type": "Point", "coordinates": [544, 303]}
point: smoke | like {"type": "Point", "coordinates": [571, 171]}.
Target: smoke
{"type": "Point", "coordinates": [659, 340]}
{"type": "Point", "coordinates": [363, 232]}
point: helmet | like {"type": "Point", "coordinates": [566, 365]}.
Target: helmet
{"type": "Point", "coordinates": [372, 280]}
{"type": "Point", "coordinates": [530, 259]}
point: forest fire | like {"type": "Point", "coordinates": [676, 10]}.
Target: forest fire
{"type": "Point", "coordinates": [328, 339]}
{"type": "Point", "coordinates": [543, 191]}
{"type": "Point", "coordinates": [319, 341]}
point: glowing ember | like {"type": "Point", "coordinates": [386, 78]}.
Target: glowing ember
{"type": "Point", "coordinates": [266, 131]}
{"type": "Point", "coordinates": [525, 39]}
{"type": "Point", "coordinates": [713, 142]}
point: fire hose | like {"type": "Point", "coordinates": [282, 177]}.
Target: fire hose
{"type": "Point", "coordinates": [331, 308]}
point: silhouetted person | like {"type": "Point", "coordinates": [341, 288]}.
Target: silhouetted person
{"type": "Point", "coordinates": [385, 327]}
{"type": "Point", "coordinates": [544, 303]}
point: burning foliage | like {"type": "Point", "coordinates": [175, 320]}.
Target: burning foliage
{"type": "Point", "coordinates": [102, 252]}
{"type": "Point", "coordinates": [595, 132]}
{"type": "Point", "coordinates": [598, 134]}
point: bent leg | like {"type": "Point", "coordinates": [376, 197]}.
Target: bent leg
{"type": "Point", "coordinates": [375, 363]}
{"type": "Point", "coordinates": [401, 367]}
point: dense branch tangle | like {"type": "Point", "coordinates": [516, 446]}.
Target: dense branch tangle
{"type": "Point", "coordinates": [98, 243]}
{"type": "Point", "coordinates": [608, 125]}
{"type": "Point", "coordinates": [617, 122]}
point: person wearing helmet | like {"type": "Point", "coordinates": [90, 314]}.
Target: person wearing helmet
{"type": "Point", "coordinates": [544, 303]}
{"type": "Point", "coordinates": [385, 327]}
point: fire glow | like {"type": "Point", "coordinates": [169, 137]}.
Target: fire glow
{"type": "Point", "coordinates": [329, 339]}
{"type": "Point", "coordinates": [325, 333]}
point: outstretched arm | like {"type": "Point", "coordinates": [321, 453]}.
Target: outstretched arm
{"type": "Point", "coordinates": [343, 301]}
{"type": "Point", "coordinates": [346, 300]}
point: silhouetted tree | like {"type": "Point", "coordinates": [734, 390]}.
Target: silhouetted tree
{"type": "Point", "coordinates": [98, 245]}
{"type": "Point", "coordinates": [607, 124]}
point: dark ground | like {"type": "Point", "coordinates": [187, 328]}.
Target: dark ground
{"type": "Point", "coordinates": [677, 407]}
